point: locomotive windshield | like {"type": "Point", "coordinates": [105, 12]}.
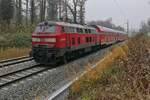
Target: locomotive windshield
{"type": "Point", "coordinates": [45, 28]}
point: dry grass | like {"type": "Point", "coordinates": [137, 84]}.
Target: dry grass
{"type": "Point", "coordinates": [122, 75]}
{"type": "Point", "coordinates": [13, 53]}
{"type": "Point", "coordinates": [91, 78]}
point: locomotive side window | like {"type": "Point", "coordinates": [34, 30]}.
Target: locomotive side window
{"type": "Point", "coordinates": [81, 30]}
{"type": "Point", "coordinates": [86, 31]}
{"type": "Point", "coordinates": [89, 31]}
{"type": "Point", "coordinates": [78, 30]}
{"type": "Point", "coordinates": [62, 29]}
{"type": "Point", "coordinates": [72, 30]}
{"type": "Point", "coordinates": [67, 29]}
{"type": "Point", "coordinates": [93, 31]}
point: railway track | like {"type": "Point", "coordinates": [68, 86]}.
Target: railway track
{"type": "Point", "coordinates": [16, 76]}
{"type": "Point", "coordinates": [14, 61]}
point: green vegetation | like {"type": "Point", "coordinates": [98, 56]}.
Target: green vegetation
{"type": "Point", "coordinates": [14, 45]}
{"type": "Point", "coordinates": [9, 40]}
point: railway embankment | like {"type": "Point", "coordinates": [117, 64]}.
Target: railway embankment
{"type": "Point", "coordinates": [122, 75]}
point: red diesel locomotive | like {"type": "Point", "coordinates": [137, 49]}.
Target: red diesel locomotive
{"type": "Point", "coordinates": [60, 41]}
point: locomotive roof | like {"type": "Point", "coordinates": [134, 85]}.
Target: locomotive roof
{"type": "Point", "coordinates": [67, 24]}
{"type": "Point", "coordinates": [105, 29]}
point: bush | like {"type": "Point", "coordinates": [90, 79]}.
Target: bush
{"type": "Point", "coordinates": [9, 40]}
{"type": "Point", "coordinates": [20, 40]}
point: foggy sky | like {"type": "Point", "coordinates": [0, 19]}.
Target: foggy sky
{"type": "Point", "coordinates": [133, 10]}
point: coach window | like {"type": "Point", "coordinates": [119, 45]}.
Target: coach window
{"type": "Point", "coordinates": [94, 31]}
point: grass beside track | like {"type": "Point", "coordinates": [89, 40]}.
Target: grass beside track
{"type": "Point", "coordinates": [122, 75]}
{"type": "Point", "coordinates": [13, 53]}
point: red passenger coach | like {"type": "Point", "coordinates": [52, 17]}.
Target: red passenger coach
{"type": "Point", "coordinates": [109, 36]}
{"type": "Point", "coordinates": [60, 41]}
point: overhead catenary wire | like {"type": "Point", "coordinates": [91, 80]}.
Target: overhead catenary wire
{"type": "Point", "coordinates": [122, 12]}
{"type": "Point", "coordinates": [120, 9]}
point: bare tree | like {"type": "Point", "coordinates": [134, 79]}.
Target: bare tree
{"type": "Point", "coordinates": [145, 27]}
{"type": "Point", "coordinates": [72, 5]}
{"type": "Point", "coordinates": [19, 11]}
{"type": "Point", "coordinates": [53, 9]}
{"type": "Point", "coordinates": [77, 9]}
{"type": "Point", "coordinates": [6, 10]}
{"type": "Point", "coordinates": [42, 9]}
{"type": "Point", "coordinates": [32, 11]}
{"type": "Point", "coordinates": [39, 10]}
{"type": "Point", "coordinates": [82, 11]}
{"type": "Point", "coordinates": [27, 11]}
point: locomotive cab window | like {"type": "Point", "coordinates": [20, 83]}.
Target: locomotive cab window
{"type": "Point", "coordinates": [45, 28]}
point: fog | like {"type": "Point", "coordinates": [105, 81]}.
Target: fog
{"type": "Point", "coordinates": [133, 10]}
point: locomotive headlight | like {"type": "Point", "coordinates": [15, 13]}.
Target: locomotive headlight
{"type": "Point", "coordinates": [35, 39]}
{"type": "Point", "coordinates": [50, 40]}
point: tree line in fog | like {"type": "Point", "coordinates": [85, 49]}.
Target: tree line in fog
{"type": "Point", "coordinates": [145, 26]}
{"type": "Point", "coordinates": [16, 13]}
{"type": "Point", "coordinates": [28, 12]}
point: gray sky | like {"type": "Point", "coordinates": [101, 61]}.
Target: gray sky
{"type": "Point", "coordinates": [134, 10]}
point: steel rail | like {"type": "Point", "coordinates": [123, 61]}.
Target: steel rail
{"type": "Point", "coordinates": [15, 61]}
{"type": "Point", "coordinates": [24, 76]}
